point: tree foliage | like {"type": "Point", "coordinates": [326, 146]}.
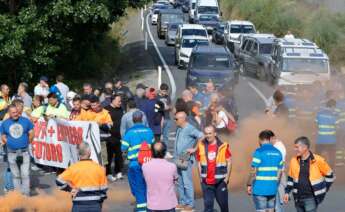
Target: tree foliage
{"type": "Point", "coordinates": [53, 36]}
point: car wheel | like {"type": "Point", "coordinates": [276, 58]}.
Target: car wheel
{"type": "Point", "coordinates": [261, 74]}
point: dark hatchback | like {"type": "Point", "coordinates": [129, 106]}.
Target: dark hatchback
{"type": "Point", "coordinates": [218, 33]}
{"type": "Point", "coordinates": [214, 64]}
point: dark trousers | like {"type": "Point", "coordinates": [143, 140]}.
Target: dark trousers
{"type": "Point", "coordinates": [114, 151]}
{"type": "Point", "coordinates": [96, 207]}
{"type": "Point", "coordinates": [306, 205]}
{"type": "Point", "coordinates": [218, 191]}
{"type": "Point", "coordinates": [328, 152]}
{"type": "Point", "coordinates": [171, 210]}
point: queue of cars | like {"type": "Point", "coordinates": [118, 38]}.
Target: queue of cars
{"type": "Point", "coordinates": [283, 61]}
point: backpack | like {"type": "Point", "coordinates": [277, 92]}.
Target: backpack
{"type": "Point", "coordinates": [144, 154]}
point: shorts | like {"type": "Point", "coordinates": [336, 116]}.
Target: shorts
{"type": "Point", "coordinates": [263, 203]}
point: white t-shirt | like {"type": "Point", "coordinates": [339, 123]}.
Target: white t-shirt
{"type": "Point", "coordinates": [222, 116]}
{"type": "Point", "coordinates": [63, 88]}
{"type": "Point", "coordinates": [281, 147]}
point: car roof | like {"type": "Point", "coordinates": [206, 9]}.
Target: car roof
{"type": "Point", "coordinates": [312, 53]}
{"type": "Point", "coordinates": [194, 37]}
{"type": "Point", "coordinates": [295, 42]}
{"type": "Point", "coordinates": [240, 22]}
{"type": "Point", "coordinates": [171, 11]}
{"type": "Point", "coordinates": [211, 49]}
{"type": "Point", "coordinates": [192, 26]}
{"type": "Point", "coordinates": [261, 38]}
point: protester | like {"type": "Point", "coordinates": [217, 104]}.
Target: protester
{"type": "Point", "coordinates": [87, 89]}
{"type": "Point", "coordinates": [87, 182]}
{"type": "Point", "coordinates": [180, 106]}
{"type": "Point", "coordinates": [282, 183]}
{"type": "Point", "coordinates": [265, 174]}
{"type": "Point", "coordinates": [192, 109]}
{"type": "Point", "coordinates": [187, 137]}
{"type": "Point", "coordinates": [131, 143]}
{"type": "Point", "coordinates": [228, 102]}
{"type": "Point", "coordinates": [309, 177]}
{"type": "Point", "coordinates": [198, 96]}
{"type": "Point", "coordinates": [327, 120]}
{"type": "Point", "coordinates": [69, 100]}
{"type": "Point", "coordinates": [97, 92]}
{"type": "Point", "coordinates": [114, 143]}
{"type": "Point", "coordinates": [163, 96]}
{"type": "Point", "coordinates": [123, 91]}
{"type": "Point", "coordinates": [23, 95]}
{"type": "Point", "coordinates": [127, 118]}
{"type": "Point", "coordinates": [55, 109]}
{"type": "Point", "coordinates": [214, 167]}
{"type": "Point", "coordinates": [102, 117]}
{"type": "Point", "coordinates": [217, 116]}
{"type": "Point", "coordinates": [75, 114]}
{"type": "Point", "coordinates": [139, 97]}
{"type": "Point", "coordinates": [154, 111]}
{"type": "Point", "coordinates": [160, 177]}
{"type": "Point", "coordinates": [38, 108]}
{"type": "Point", "coordinates": [5, 100]}
{"type": "Point", "coordinates": [63, 88]}
{"type": "Point", "coordinates": [17, 132]}
{"type": "Point", "coordinates": [209, 91]}
{"type": "Point", "coordinates": [281, 111]}
{"type": "Point", "coordinates": [85, 104]}
{"type": "Point", "coordinates": [42, 88]}
{"type": "Point", "coordinates": [106, 95]}
{"type": "Point", "coordinates": [20, 106]}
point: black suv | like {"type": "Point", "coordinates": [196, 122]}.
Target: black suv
{"type": "Point", "coordinates": [255, 55]}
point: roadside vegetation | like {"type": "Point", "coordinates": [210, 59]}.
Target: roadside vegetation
{"type": "Point", "coordinates": [304, 20]}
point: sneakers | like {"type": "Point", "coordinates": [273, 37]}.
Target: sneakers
{"type": "Point", "coordinates": [119, 176]}
{"type": "Point", "coordinates": [180, 207]}
{"type": "Point", "coordinates": [168, 155]}
{"type": "Point", "coordinates": [111, 178]}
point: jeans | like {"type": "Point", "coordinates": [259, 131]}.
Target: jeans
{"type": "Point", "coordinates": [263, 203]}
{"type": "Point", "coordinates": [21, 178]}
{"type": "Point", "coordinates": [96, 207]}
{"type": "Point", "coordinates": [218, 191]}
{"type": "Point", "coordinates": [185, 186]}
{"type": "Point", "coordinates": [166, 130]}
{"type": "Point", "coordinates": [306, 205]}
{"type": "Point", "coordinates": [138, 186]}
{"type": "Point", "coordinates": [279, 204]}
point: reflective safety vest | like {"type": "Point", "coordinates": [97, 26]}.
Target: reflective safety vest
{"type": "Point", "coordinates": [221, 163]}
{"type": "Point", "coordinates": [320, 176]}
{"type": "Point", "coordinates": [326, 120]}
{"type": "Point", "coordinates": [86, 176]}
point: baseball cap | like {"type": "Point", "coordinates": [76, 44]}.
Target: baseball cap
{"type": "Point", "coordinates": [44, 78]}
{"type": "Point", "coordinates": [141, 85]}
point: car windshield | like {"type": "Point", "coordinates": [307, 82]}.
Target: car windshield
{"type": "Point", "coordinates": [242, 29]}
{"type": "Point", "coordinates": [190, 43]}
{"type": "Point", "coordinates": [265, 48]}
{"type": "Point", "coordinates": [302, 65]}
{"type": "Point", "coordinates": [207, 10]}
{"type": "Point", "coordinates": [171, 18]}
{"type": "Point", "coordinates": [196, 32]}
{"type": "Point", "coordinates": [211, 61]}
{"type": "Point", "coordinates": [208, 18]}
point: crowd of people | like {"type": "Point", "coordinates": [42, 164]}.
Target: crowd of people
{"type": "Point", "coordinates": [138, 126]}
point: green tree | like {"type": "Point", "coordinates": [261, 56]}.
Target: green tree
{"type": "Point", "coordinates": [53, 36]}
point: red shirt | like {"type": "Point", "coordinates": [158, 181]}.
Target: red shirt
{"type": "Point", "coordinates": [211, 162]}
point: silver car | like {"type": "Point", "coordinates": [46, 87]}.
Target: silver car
{"type": "Point", "coordinates": [171, 33]}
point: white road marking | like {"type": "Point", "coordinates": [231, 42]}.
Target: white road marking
{"type": "Point", "coordinates": [165, 66]}
{"type": "Point", "coordinates": [260, 94]}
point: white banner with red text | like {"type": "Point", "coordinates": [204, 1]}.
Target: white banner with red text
{"type": "Point", "coordinates": [56, 140]}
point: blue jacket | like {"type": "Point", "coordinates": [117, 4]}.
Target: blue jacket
{"type": "Point", "coordinates": [55, 89]}
{"type": "Point", "coordinates": [133, 139]}
{"type": "Point", "coordinates": [326, 120]}
{"type": "Point", "coordinates": [153, 116]}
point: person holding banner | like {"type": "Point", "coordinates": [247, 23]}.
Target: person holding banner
{"type": "Point", "coordinates": [55, 109]}
{"type": "Point", "coordinates": [17, 132]}
{"type": "Point", "coordinates": [87, 182]}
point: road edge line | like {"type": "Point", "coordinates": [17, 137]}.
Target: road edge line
{"type": "Point", "coordinates": [258, 92]}
{"type": "Point", "coordinates": [165, 66]}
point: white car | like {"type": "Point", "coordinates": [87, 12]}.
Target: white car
{"type": "Point", "coordinates": [154, 16]}
{"type": "Point", "coordinates": [233, 30]}
{"type": "Point", "coordinates": [183, 50]}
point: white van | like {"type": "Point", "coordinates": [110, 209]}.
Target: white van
{"type": "Point", "coordinates": [192, 6]}
{"type": "Point", "coordinates": [206, 7]}
{"type": "Point", "coordinates": [232, 31]}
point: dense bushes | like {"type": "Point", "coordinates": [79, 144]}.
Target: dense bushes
{"type": "Point", "coordinates": [279, 16]}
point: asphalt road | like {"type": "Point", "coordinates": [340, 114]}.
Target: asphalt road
{"type": "Point", "coordinates": [250, 94]}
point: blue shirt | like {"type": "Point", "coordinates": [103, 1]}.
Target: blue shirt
{"type": "Point", "coordinates": [268, 161]}
{"type": "Point", "coordinates": [133, 139]}
{"type": "Point", "coordinates": [326, 120]}
{"type": "Point", "coordinates": [199, 97]}
{"type": "Point", "coordinates": [186, 137]}
{"type": "Point", "coordinates": [17, 132]}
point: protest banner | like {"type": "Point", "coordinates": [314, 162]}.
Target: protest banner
{"type": "Point", "coordinates": [55, 141]}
